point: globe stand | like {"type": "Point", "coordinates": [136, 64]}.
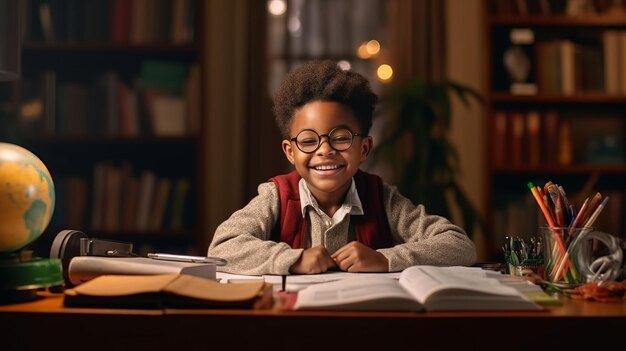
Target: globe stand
{"type": "Point", "coordinates": [22, 275]}
{"type": "Point", "coordinates": [26, 207]}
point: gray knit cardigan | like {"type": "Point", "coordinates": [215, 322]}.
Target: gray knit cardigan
{"type": "Point", "coordinates": [419, 238]}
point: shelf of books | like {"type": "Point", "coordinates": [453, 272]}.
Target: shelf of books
{"type": "Point", "coordinates": [556, 105]}
{"type": "Point", "coordinates": [109, 99]}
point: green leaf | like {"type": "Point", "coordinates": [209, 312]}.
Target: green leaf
{"type": "Point", "coordinates": [424, 111]}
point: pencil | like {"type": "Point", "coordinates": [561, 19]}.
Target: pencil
{"type": "Point", "coordinates": [550, 220]}
{"type": "Point", "coordinates": [585, 229]}
{"type": "Point", "coordinates": [542, 205]}
{"type": "Point", "coordinates": [546, 214]}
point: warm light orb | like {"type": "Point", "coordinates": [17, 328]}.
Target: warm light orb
{"type": "Point", "coordinates": [362, 53]}
{"type": "Point", "coordinates": [277, 7]}
{"type": "Point", "coordinates": [368, 49]}
{"type": "Point", "coordinates": [384, 72]}
{"type": "Point", "coordinates": [344, 65]}
{"type": "Point", "coordinates": [372, 47]}
{"type": "Point", "coordinates": [294, 26]}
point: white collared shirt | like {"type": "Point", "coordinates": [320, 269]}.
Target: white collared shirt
{"type": "Point", "coordinates": [351, 204]}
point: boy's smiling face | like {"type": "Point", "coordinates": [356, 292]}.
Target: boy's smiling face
{"type": "Point", "coordinates": [328, 172]}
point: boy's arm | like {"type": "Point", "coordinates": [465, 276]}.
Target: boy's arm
{"type": "Point", "coordinates": [244, 238]}
{"type": "Point", "coordinates": [423, 239]}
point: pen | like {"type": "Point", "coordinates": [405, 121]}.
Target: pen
{"type": "Point", "coordinates": [554, 193]}
{"type": "Point", "coordinates": [579, 216]}
{"type": "Point", "coordinates": [596, 213]}
{"type": "Point", "coordinates": [568, 206]}
{"type": "Point", "coordinates": [186, 258]}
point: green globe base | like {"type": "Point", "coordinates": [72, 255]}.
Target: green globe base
{"type": "Point", "coordinates": [20, 280]}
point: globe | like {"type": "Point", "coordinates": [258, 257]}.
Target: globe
{"type": "Point", "coordinates": [26, 197]}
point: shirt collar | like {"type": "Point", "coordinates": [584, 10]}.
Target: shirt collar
{"type": "Point", "coordinates": [307, 199]}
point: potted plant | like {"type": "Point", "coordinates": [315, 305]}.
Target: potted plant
{"type": "Point", "coordinates": [416, 150]}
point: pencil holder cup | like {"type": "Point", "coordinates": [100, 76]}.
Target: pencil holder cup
{"type": "Point", "coordinates": [526, 269]}
{"type": "Point", "coordinates": [574, 256]}
{"type": "Point", "coordinates": [523, 257]}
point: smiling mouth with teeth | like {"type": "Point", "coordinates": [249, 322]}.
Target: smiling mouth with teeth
{"type": "Point", "coordinates": [326, 167]}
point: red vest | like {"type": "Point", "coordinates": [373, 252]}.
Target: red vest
{"type": "Point", "coordinates": [372, 228]}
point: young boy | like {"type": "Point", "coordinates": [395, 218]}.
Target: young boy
{"type": "Point", "coordinates": [328, 214]}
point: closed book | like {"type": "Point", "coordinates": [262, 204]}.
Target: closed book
{"type": "Point", "coordinates": [589, 67]}
{"type": "Point", "coordinates": [193, 101]}
{"type": "Point", "coordinates": [178, 26]}
{"type": "Point", "coordinates": [180, 191]}
{"type": "Point", "coordinates": [130, 203]}
{"type": "Point", "coordinates": [565, 152]}
{"type": "Point", "coordinates": [85, 268]}
{"type": "Point", "coordinates": [168, 114]}
{"type": "Point", "coordinates": [97, 199]}
{"type": "Point", "coordinates": [610, 45]}
{"type": "Point", "coordinates": [112, 196]}
{"type": "Point", "coordinates": [550, 136]}
{"type": "Point", "coordinates": [548, 69]}
{"type": "Point", "coordinates": [167, 290]}
{"type": "Point", "coordinates": [77, 204]}
{"type": "Point", "coordinates": [121, 17]}
{"type": "Point", "coordinates": [516, 156]}
{"type": "Point", "coordinates": [568, 72]}
{"type": "Point", "coordinates": [621, 63]}
{"type": "Point", "coordinates": [128, 113]}
{"type": "Point", "coordinates": [161, 199]}
{"type": "Point", "coordinates": [147, 185]}
{"type": "Point", "coordinates": [500, 146]}
{"type": "Point", "coordinates": [533, 141]}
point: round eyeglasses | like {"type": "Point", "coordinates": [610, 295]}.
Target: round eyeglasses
{"type": "Point", "coordinates": [339, 138]}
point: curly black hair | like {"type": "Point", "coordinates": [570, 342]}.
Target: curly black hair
{"type": "Point", "coordinates": [323, 81]}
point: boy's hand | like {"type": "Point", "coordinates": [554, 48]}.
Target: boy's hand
{"type": "Point", "coordinates": [313, 260]}
{"type": "Point", "coordinates": [356, 257]}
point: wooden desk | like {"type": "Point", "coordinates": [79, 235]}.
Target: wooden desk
{"type": "Point", "coordinates": [45, 324]}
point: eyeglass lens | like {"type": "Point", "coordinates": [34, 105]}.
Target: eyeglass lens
{"type": "Point", "coordinates": [339, 139]}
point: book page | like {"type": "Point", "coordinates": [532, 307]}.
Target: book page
{"type": "Point", "coordinates": [299, 281]}
{"type": "Point", "coordinates": [358, 293]}
{"type": "Point", "coordinates": [423, 281]}
{"type": "Point", "coordinates": [296, 282]}
{"type": "Point", "coordinates": [210, 290]}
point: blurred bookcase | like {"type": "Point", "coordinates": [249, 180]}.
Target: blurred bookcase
{"type": "Point", "coordinates": [556, 108]}
{"type": "Point", "coordinates": [109, 99]}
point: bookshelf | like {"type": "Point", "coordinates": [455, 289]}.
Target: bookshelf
{"type": "Point", "coordinates": [555, 102]}
{"type": "Point", "coordinates": [109, 99]}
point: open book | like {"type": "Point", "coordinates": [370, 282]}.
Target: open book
{"type": "Point", "coordinates": [419, 288]}
{"type": "Point", "coordinates": [167, 290]}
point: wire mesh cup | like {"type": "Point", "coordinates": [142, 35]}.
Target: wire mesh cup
{"type": "Point", "coordinates": [574, 256]}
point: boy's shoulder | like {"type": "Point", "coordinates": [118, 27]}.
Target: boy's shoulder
{"type": "Point", "coordinates": [292, 176]}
